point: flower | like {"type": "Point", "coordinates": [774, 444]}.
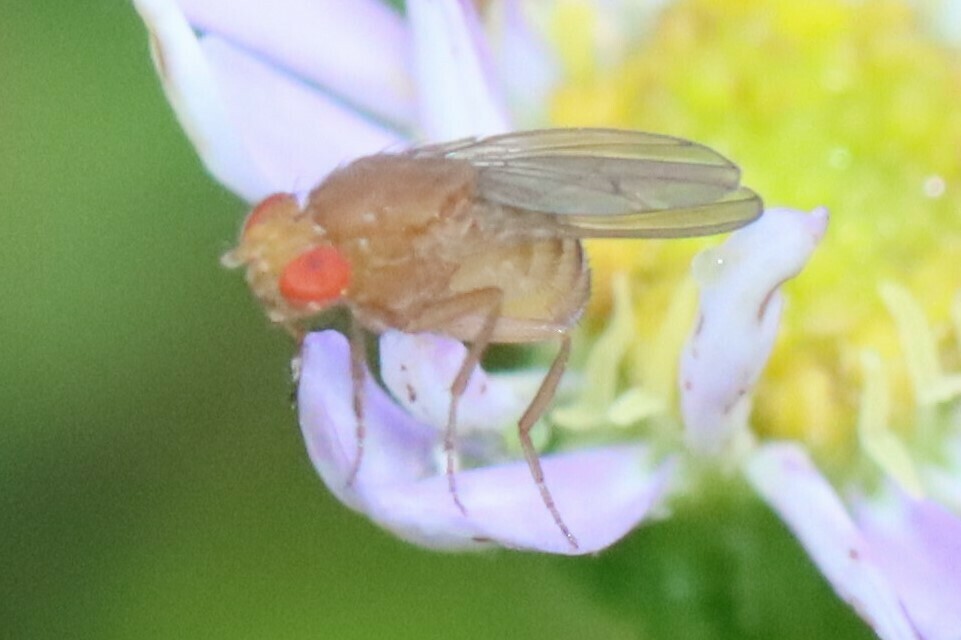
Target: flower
{"type": "Point", "coordinates": [852, 434]}
{"type": "Point", "coordinates": [267, 111]}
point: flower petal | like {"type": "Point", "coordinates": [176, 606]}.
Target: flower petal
{"type": "Point", "coordinates": [397, 449]}
{"type": "Point", "coordinates": [602, 493]}
{"type": "Point", "coordinates": [458, 94]}
{"type": "Point", "coordinates": [917, 544]}
{"type": "Point", "coordinates": [740, 308]}
{"type": "Point", "coordinates": [256, 129]}
{"type": "Point", "coordinates": [297, 135]}
{"type": "Point", "coordinates": [196, 98]}
{"type": "Point", "coordinates": [419, 370]}
{"type": "Point", "coordinates": [318, 40]}
{"type": "Point", "coordinates": [526, 64]}
{"type": "Point", "coordinates": [789, 482]}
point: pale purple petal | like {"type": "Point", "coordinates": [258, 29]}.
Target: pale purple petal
{"type": "Point", "coordinates": [198, 101]}
{"type": "Point", "coordinates": [602, 493]}
{"type": "Point", "coordinates": [917, 544]}
{"type": "Point", "coordinates": [419, 370]}
{"type": "Point", "coordinates": [359, 50]}
{"type": "Point", "coordinates": [789, 482]}
{"type": "Point", "coordinates": [527, 65]}
{"type": "Point", "coordinates": [397, 449]}
{"type": "Point", "coordinates": [739, 312]}
{"type": "Point", "coordinates": [458, 94]}
{"type": "Point", "coordinates": [296, 134]}
{"type": "Point", "coordinates": [256, 129]}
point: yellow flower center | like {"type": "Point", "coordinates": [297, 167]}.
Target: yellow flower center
{"type": "Point", "coordinates": [850, 105]}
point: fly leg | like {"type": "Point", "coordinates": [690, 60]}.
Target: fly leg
{"type": "Point", "coordinates": [358, 365]}
{"type": "Point", "coordinates": [298, 334]}
{"type": "Point", "coordinates": [457, 388]}
{"type": "Point", "coordinates": [480, 301]}
{"type": "Point", "coordinates": [535, 410]}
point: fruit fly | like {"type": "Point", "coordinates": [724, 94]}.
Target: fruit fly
{"type": "Point", "coordinates": [480, 240]}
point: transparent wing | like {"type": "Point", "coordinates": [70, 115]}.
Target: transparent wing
{"type": "Point", "coordinates": [605, 182]}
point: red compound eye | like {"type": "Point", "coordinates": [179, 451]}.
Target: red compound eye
{"type": "Point", "coordinates": [318, 275]}
{"type": "Point", "coordinates": [270, 207]}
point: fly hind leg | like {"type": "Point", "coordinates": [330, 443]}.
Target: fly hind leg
{"type": "Point", "coordinates": [535, 410]}
{"type": "Point", "coordinates": [485, 304]}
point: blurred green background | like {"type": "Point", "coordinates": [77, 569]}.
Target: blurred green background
{"type": "Point", "coordinates": [153, 483]}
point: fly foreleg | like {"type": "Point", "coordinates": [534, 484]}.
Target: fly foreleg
{"type": "Point", "coordinates": [358, 370]}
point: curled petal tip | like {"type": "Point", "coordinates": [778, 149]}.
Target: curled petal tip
{"type": "Point", "coordinates": [739, 312]}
